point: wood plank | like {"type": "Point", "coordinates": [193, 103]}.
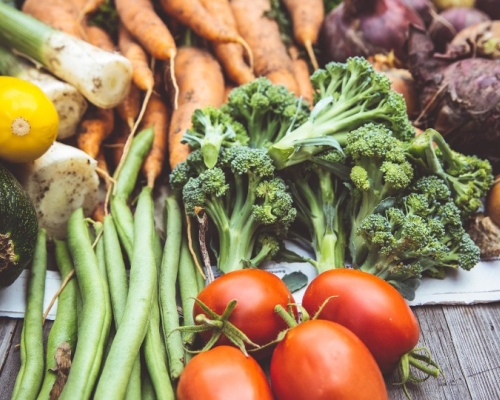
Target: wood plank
{"type": "Point", "coordinates": [475, 334]}
{"type": "Point", "coordinates": [9, 371]}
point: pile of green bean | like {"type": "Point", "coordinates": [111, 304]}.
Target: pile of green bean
{"type": "Point", "coordinates": [115, 333]}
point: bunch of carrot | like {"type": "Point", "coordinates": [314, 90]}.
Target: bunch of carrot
{"type": "Point", "coordinates": [235, 41]}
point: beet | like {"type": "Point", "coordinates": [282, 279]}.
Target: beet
{"type": "Point", "coordinates": [460, 98]}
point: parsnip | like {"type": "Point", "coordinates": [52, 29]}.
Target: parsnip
{"type": "Point", "coordinates": [59, 182]}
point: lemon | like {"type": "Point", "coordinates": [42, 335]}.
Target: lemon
{"type": "Point", "coordinates": [28, 121]}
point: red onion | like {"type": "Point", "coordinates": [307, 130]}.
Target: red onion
{"type": "Point", "coordinates": [366, 27]}
{"type": "Point", "coordinates": [451, 21]}
{"type": "Point", "coordinates": [424, 8]}
{"type": "Point", "coordinates": [490, 7]}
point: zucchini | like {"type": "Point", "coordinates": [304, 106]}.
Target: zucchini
{"type": "Point", "coordinates": [18, 228]}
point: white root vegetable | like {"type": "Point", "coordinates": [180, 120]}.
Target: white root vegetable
{"type": "Point", "coordinates": [103, 77]}
{"type": "Point", "coordinates": [59, 182]}
{"type": "Point", "coordinates": [69, 102]}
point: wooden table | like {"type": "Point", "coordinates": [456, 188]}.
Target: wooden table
{"type": "Point", "coordinates": [464, 340]}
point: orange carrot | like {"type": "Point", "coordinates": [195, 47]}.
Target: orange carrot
{"type": "Point", "coordinates": [96, 125]}
{"type": "Point", "coordinates": [263, 36]}
{"type": "Point", "coordinates": [230, 55]}
{"type": "Point", "coordinates": [60, 14]}
{"type": "Point", "coordinates": [194, 15]}
{"type": "Point", "coordinates": [201, 83]}
{"type": "Point", "coordinates": [115, 143]}
{"type": "Point", "coordinates": [97, 36]}
{"type": "Point", "coordinates": [156, 116]}
{"type": "Point", "coordinates": [302, 75]}
{"type": "Point", "coordinates": [227, 90]}
{"type": "Point", "coordinates": [307, 17]}
{"type": "Point", "coordinates": [129, 108]}
{"type": "Point", "coordinates": [141, 19]}
{"type": "Point", "coordinates": [142, 75]}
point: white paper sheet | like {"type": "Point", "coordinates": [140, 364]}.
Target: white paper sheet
{"type": "Point", "coordinates": [480, 285]}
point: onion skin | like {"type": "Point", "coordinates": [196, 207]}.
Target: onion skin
{"type": "Point", "coordinates": [424, 8]}
{"type": "Point", "coordinates": [365, 28]}
{"type": "Point", "coordinates": [452, 21]}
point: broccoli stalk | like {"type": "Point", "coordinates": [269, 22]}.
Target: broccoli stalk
{"type": "Point", "coordinates": [379, 173]}
{"type": "Point", "coordinates": [320, 198]}
{"type": "Point", "coordinates": [468, 177]}
{"type": "Point", "coordinates": [348, 95]}
{"type": "Point", "coordinates": [249, 206]}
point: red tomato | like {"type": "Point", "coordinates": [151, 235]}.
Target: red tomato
{"type": "Point", "coordinates": [370, 307]}
{"type": "Point", "coordinates": [322, 360]}
{"type": "Point", "coordinates": [223, 373]}
{"type": "Point", "coordinates": [257, 293]}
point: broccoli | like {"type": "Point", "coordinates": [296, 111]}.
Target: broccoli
{"type": "Point", "coordinates": [250, 207]}
{"type": "Point", "coordinates": [468, 177]}
{"type": "Point", "coordinates": [320, 197]}
{"type": "Point", "coordinates": [267, 111]}
{"type": "Point", "coordinates": [211, 129]}
{"type": "Point", "coordinates": [421, 233]}
{"type": "Point", "coordinates": [347, 96]}
{"type": "Point", "coordinates": [379, 173]}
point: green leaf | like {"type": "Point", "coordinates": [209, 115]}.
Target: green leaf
{"type": "Point", "coordinates": [295, 281]}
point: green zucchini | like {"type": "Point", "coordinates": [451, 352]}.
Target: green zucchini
{"type": "Point", "coordinates": [18, 228]}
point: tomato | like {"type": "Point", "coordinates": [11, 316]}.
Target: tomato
{"type": "Point", "coordinates": [223, 373]}
{"type": "Point", "coordinates": [319, 359]}
{"type": "Point", "coordinates": [257, 293]}
{"type": "Point", "coordinates": [28, 120]}
{"type": "Point", "coordinates": [370, 307]}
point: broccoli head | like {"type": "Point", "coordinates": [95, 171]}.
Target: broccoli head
{"type": "Point", "coordinates": [267, 111]}
{"type": "Point", "coordinates": [469, 178]}
{"type": "Point", "coordinates": [347, 96]}
{"type": "Point", "coordinates": [250, 207]}
{"type": "Point", "coordinates": [211, 129]}
{"type": "Point", "coordinates": [379, 172]}
{"type": "Point", "coordinates": [422, 233]}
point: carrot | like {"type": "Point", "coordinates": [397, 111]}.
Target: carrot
{"type": "Point", "coordinates": [142, 75]}
{"type": "Point", "coordinates": [263, 36]}
{"type": "Point", "coordinates": [116, 142]}
{"type": "Point", "coordinates": [95, 127]}
{"type": "Point", "coordinates": [227, 90]}
{"type": "Point", "coordinates": [302, 75]}
{"type": "Point", "coordinates": [193, 14]}
{"type": "Point", "coordinates": [307, 17]}
{"type": "Point", "coordinates": [97, 36]}
{"type": "Point", "coordinates": [201, 83]}
{"type": "Point", "coordinates": [230, 55]}
{"type": "Point", "coordinates": [60, 14]}
{"type": "Point", "coordinates": [129, 108]}
{"type": "Point", "coordinates": [141, 19]}
{"type": "Point", "coordinates": [156, 116]}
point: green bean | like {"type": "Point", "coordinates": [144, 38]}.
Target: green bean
{"type": "Point", "coordinates": [148, 391]}
{"type": "Point", "coordinates": [90, 347]}
{"type": "Point", "coordinates": [124, 223]}
{"type": "Point", "coordinates": [118, 287]}
{"type": "Point", "coordinates": [168, 279]}
{"type": "Point", "coordinates": [65, 327]}
{"type": "Point", "coordinates": [126, 176]}
{"type": "Point", "coordinates": [134, 323]}
{"type": "Point", "coordinates": [101, 263]}
{"type": "Point", "coordinates": [30, 376]}
{"type": "Point", "coordinates": [156, 360]}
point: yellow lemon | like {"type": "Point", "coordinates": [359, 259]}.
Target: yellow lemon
{"type": "Point", "coordinates": [28, 120]}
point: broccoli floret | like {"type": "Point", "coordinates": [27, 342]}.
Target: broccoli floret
{"type": "Point", "coordinates": [250, 207]}
{"type": "Point", "coordinates": [320, 197]}
{"type": "Point", "coordinates": [347, 96]}
{"type": "Point", "coordinates": [469, 178]}
{"type": "Point", "coordinates": [422, 233]}
{"type": "Point", "coordinates": [211, 129]}
{"type": "Point", "coordinates": [266, 111]}
{"type": "Point", "coordinates": [380, 172]}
